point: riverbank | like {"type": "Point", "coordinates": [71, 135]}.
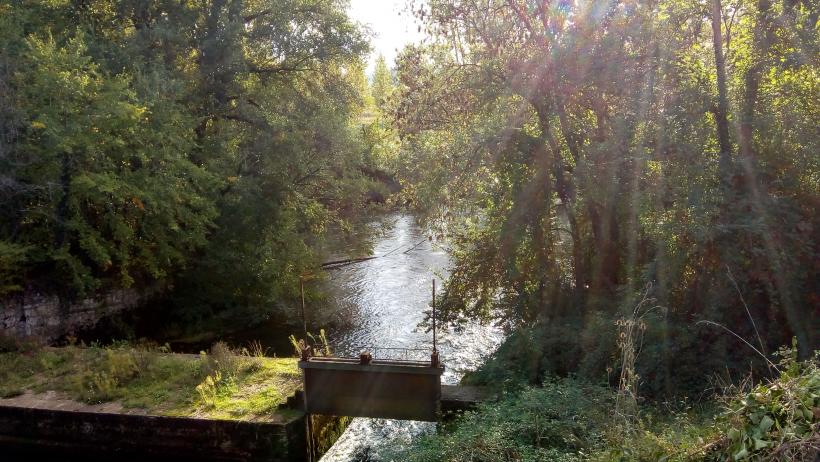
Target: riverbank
{"type": "Point", "coordinates": [573, 420]}
{"type": "Point", "coordinates": [90, 403]}
{"type": "Point", "coordinates": [150, 380]}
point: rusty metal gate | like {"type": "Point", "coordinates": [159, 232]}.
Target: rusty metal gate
{"type": "Point", "coordinates": [365, 387]}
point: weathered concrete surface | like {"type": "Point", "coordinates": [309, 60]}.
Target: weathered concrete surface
{"type": "Point", "coordinates": [45, 422]}
{"type": "Point", "coordinates": [52, 400]}
{"type": "Point", "coordinates": [48, 426]}
{"type": "Point", "coordinates": [46, 318]}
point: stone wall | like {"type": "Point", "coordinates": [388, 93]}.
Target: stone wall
{"type": "Point", "coordinates": [44, 318]}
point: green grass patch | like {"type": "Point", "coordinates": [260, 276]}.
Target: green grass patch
{"type": "Point", "coordinates": [223, 384]}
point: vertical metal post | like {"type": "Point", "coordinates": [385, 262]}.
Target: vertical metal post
{"type": "Point", "coordinates": [304, 319]}
{"type": "Point", "coordinates": [307, 350]}
{"type": "Point", "coordinates": [434, 359]}
{"type": "Point", "coordinates": [434, 315]}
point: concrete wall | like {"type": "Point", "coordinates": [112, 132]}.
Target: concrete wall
{"type": "Point", "coordinates": [50, 431]}
{"type": "Point", "coordinates": [44, 318]}
{"type": "Point", "coordinates": [29, 431]}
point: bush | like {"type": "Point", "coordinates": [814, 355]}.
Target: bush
{"type": "Point", "coordinates": [222, 359]}
{"type": "Point", "coordinates": [12, 260]}
{"type": "Point", "coordinates": [673, 432]}
{"type": "Point", "coordinates": [222, 366]}
{"type": "Point", "coordinates": [562, 421]}
{"type": "Point", "coordinates": [778, 420]}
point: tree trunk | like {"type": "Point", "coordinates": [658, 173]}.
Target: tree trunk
{"type": "Point", "coordinates": [62, 206]}
{"type": "Point", "coordinates": [565, 191]}
{"type": "Point", "coordinates": [722, 108]}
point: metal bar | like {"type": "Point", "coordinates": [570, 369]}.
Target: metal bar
{"type": "Point", "coordinates": [304, 319]}
{"type": "Point", "coordinates": [434, 317]}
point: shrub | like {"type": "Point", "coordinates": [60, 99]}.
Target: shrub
{"type": "Point", "coordinates": [318, 345]}
{"type": "Point", "coordinates": [778, 420]}
{"type": "Point", "coordinates": [561, 421]}
{"type": "Point", "coordinates": [222, 359]}
{"type": "Point", "coordinates": [12, 262]}
{"type": "Point", "coordinates": [214, 387]}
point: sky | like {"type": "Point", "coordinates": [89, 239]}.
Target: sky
{"type": "Point", "coordinates": [391, 25]}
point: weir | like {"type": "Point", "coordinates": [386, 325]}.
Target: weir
{"type": "Point", "coordinates": [301, 429]}
{"type": "Point", "coordinates": [335, 389]}
{"type": "Point", "coordinates": [387, 388]}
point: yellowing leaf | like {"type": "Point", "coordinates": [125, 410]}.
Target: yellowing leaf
{"type": "Point", "coordinates": [138, 203]}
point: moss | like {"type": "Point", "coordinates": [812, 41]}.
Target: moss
{"type": "Point", "coordinates": [161, 383]}
{"type": "Point", "coordinates": [325, 431]}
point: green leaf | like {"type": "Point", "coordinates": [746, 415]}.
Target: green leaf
{"type": "Point", "coordinates": [760, 444]}
{"type": "Point", "coordinates": [742, 454]}
{"type": "Point", "coordinates": [765, 424]}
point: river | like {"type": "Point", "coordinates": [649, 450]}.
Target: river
{"type": "Point", "coordinates": [381, 302]}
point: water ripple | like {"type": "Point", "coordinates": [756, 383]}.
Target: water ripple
{"type": "Point", "coordinates": [386, 298]}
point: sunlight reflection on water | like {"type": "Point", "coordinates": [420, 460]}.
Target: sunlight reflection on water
{"type": "Point", "coordinates": [387, 297]}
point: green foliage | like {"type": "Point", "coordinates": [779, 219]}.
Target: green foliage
{"type": "Point", "coordinates": [318, 344]}
{"type": "Point", "coordinates": [103, 379]}
{"type": "Point", "coordinates": [383, 85]}
{"type": "Point", "coordinates": [123, 197]}
{"type": "Point", "coordinates": [778, 420]}
{"type": "Point", "coordinates": [570, 155]}
{"type": "Point", "coordinates": [214, 387]}
{"type": "Point", "coordinates": [562, 421]}
{"type": "Point", "coordinates": [570, 420]}
{"type": "Point", "coordinates": [676, 433]}
{"type": "Point", "coordinates": [193, 147]}
{"type": "Point", "coordinates": [12, 258]}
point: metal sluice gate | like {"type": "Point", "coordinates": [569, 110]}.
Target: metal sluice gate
{"type": "Point", "coordinates": [366, 387]}
{"type": "Point", "coordinates": [389, 386]}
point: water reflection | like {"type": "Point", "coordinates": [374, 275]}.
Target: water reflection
{"type": "Point", "coordinates": [381, 302]}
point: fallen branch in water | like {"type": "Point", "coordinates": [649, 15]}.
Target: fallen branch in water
{"type": "Point", "coordinates": [346, 261]}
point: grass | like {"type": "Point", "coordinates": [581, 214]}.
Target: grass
{"type": "Point", "coordinates": [224, 384]}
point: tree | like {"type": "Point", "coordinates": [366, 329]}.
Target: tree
{"type": "Point", "coordinates": [194, 147]}
{"type": "Point", "coordinates": [382, 86]}
{"type": "Point", "coordinates": [576, 152]}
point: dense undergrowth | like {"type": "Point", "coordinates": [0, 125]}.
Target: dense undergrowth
{"type": "Point", "coordinates": [571, 420]}
{"type": "Point", "coordinates": [222, 384]}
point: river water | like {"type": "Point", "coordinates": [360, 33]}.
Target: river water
{"type": "Point", "coordinates": [381, 302]}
